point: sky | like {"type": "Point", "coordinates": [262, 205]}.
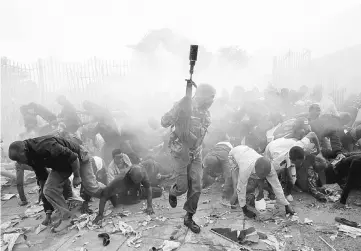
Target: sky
{"type": "Point", "coordinates": [74, 30]}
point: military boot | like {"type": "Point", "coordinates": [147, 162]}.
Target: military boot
{"type": "Point", "coordinates": [188, 222]}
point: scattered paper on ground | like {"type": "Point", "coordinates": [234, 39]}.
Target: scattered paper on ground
{"type": "Point", "coordinates": [308, 221]}
{"type": "Point", "coordinates": [169, 245]}
{"type": "Point", "coordinates": [7, 196]}
{"type": "Point", "coordinates": [85, 220]}
{"type": "Point", "coordinates": [8, 224]}
{"type": "Point", "coordinates": [40, 228]}
{"type": "Point", "coordinates": [10, 240]}
{"type": "Point", "coordinates": [33, 210]}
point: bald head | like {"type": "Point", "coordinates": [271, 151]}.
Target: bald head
{"type": "Point", "coordinates": [17, 152]}
{"type": "Point", "coordinates": [263, 167]}
{"type": "Point", "coordinates": [204, 96]}
{"type": "Point", "coordinates": [136, 174]}
{"type": "Point", "coordinates": [205, 90]}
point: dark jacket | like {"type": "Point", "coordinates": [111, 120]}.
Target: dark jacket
{"type": "Point", "coordinates": [331, 127]}
{"type": "Point", "coordinates": [51, 152]}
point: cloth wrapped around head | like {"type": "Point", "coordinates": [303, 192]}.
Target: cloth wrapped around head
{"type": "Point", "coordinates": [205, 95]}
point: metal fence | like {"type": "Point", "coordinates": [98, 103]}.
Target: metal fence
{"type": "Point", "coordinates": [39, 81]}
{"type": "Point", "coordinates": [295, 69]}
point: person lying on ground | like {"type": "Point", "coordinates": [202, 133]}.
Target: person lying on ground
{"type": "Point", "coordinates": [251, 164]}
{"type": "Point", "coordinates": [349, 168]}
{"type": "Point", "coordinates": [133, 185]}
{"type": "Point", "coordinates": [310, 172]}
{"type": "Point", "coordinates": [217, 161]}
{"type": "Point", "coordinates": [63, 157]}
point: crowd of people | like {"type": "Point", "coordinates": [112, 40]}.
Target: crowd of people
{"type": "Point", "coordinates": [275, 141]}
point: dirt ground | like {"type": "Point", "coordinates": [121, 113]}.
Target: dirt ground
{"type": "Point", "coordinates": [295, 235]}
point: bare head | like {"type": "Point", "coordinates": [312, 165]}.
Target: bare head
{"type": "Point", "coordinates": [263, 167]}
{"type": "Point", "coordinates": [301, 128]}
{"type": "Point", "coordinates": [204, 96]}
{"type": "Point", "coordinates": [118, 157]}
{"type": "Point", "coordinates": [17, 152]}
{"type": "Point", "coordinates": [297, 156]}
{"type": "Point", "coordinates": [136, 174]}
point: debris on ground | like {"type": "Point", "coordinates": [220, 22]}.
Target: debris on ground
{"type": "Point", "coordinates": [146, 221]}
{"type": "Point", "coordinates": [33, 210]}
{"type": "Point", "coordinates": [305, 248]}
{"type": "Point", "coordinates": [34, 190]}
{"type": "Point", "coordinates": [333, 192]}
{"type": "Point", "coordinates": [7, 196]}
{"type": "Point", "coordinates": [213, 217]}
{"type": "Point", "coordinates": [261, 205]}
{"type": "Point", "coordinates": [350, 231]}
{"type": "Point", "coordinates": [324, 241]}
{"type": "Point", "coordinates": [148, 228]}
{"type": "Point", "coordinates": [308, 221]}
{"type": "Point", "coordinates": [167, 246]}
{"type": "Point", "coordinates": [206, 201]}
{"type": "Point", "coordinates": [40, 228]}
{"type": "Point", "coordinates": [236, 236]}
{"type": "Point", "coordinates": [85, 220]}
{"type": "Point", "coordinates": [274, 243]}
{"type": "Point", "coordinates": [178, 232]}
{"type": "Point", "coordinates": [135, 240]}
{"type": "Point", "coordinates": [248, 236]}
{"type": "Point", "coordinates": [161, 218]}
{"type": "Point", "coordinates": [295, 218]}
{"type": "Point", "coordinates": [108, 212]}
{"type": "Point", "coordinates": [124, 229]}
{"type": "Point", "coordinates": [8, 224]}
{"type": "Point", "coordinates": [347, 222]}
{"type": "Point", "coordinates": [77, 237]}
{"type": "Point", "coordinates": [106, 238]}
{"type": "Point", "coordinates": [9, 240]}
{"type": "Point", "coordinates": [333, 237]}
{"type": "Point", "coordinates": [20, 230]}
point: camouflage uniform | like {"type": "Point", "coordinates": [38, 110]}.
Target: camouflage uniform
{"type": "Point", "coordinates": [188, 163]}
{"type": "Point", "coordinates": [313, 180]}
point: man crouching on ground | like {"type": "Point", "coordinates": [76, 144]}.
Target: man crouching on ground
{"type": "Point", "coordinates": [251, 164]}
{"type": "Point", "coordinates": [63, 157]}
{"type": "Point", "coordinates": [135, 180]}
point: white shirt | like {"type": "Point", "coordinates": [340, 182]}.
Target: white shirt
{"type": "Point", "coordinates": [225, 143]}
{"type": "Point", "coordinates": [277, 151]}
{"type": "Point", "coordinates": [98, 162]}
{"type": "Point", "coordinates": [246, 159]}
